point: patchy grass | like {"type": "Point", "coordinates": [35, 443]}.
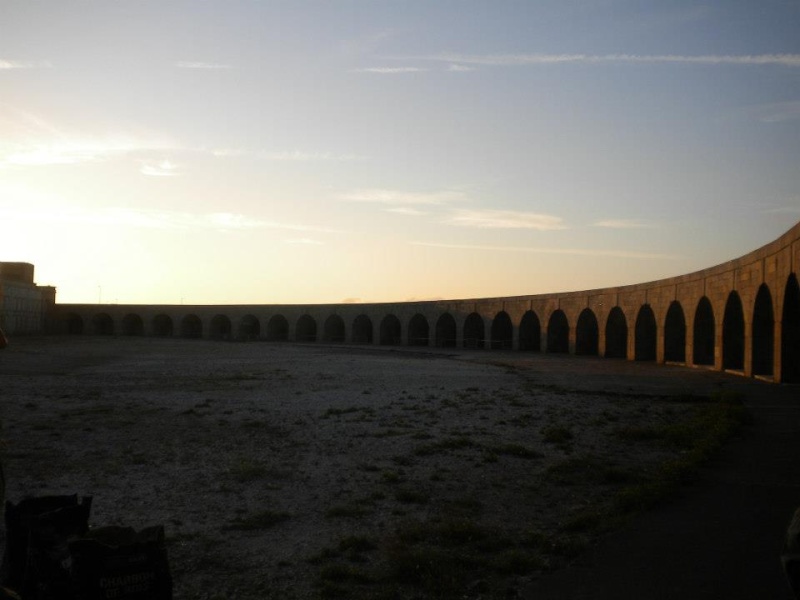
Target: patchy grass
{"type": "Point", "coordinates": [264, 519]}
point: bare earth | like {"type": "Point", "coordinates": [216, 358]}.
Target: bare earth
{"type": "Point", "coordinates": [296, 471]}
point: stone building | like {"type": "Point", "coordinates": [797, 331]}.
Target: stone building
{"type": "Point", "coordinates": [25, 308]}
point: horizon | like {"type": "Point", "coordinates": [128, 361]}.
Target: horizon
{"type": "Point", "coordinates": [336, 152]}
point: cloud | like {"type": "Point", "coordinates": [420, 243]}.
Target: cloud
{"type": "Point", "coordinates": [785, 60]}
{"type": "Point", "coordinates": [562, 251]}
{"type": "Point", "coordinates": [391, 70]}
{"type": "Point", "coordinates": [64, 150]}
{"type": "Point", "coordinates": [304, 241]}
{"type": "Point", "coordinates": [784, 210]}
{"type": "Point", "coordinates": [161, 169]}
{"type": "Point", "coordinates": [201, 65]}
{"type": "Point", "coordinates": [506, 219]}
{"type": "Point", "coordinates": [460, 68]}
{"type": "Point", "coordinates": [384, 196]}
{"type": "Point", "coordinates": [406, 210]}
{"type": "Point", "coordinates": [779, 112]}
{"type": "Point", "coordinates": [297, 155]}
{"type": "Point", "coordinates": [6, 65]}
{"type": "Point", "coordinates": [621, 224]}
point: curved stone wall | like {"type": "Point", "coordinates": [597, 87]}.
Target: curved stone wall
{"type": "Point", "coordinates": [742, 316]}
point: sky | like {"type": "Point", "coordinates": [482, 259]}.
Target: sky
{"type": "Point", "coordinates": [270, 152]}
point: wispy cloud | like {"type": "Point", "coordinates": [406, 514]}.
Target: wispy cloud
{"type": "Point", "coordinates": [161, 169]}
{"type": "Point", "coordinates": [785, 60]}
{"type": "Point", "coordinates": [201, 65]}
{"type": "Point", "coordinates": [784, 210]}
{"type": "Point", "coordinates": [391, 70]}
{"type": "Point", "coordinates": [304, 242]}
{"type": "Point", "coordinates": [297, 155]}
{"type": "Point", "coordinates": [64, 150]}
{"type": "Point", "coordinates": [460, 68]}
{"type": "Point", "coordinates": [779, 112]}
{"type": "Point", "coordinates": [622, 224]}
{"type": "Point", "coordinates": [6, 65]}
{"type": "Point", "coordinates": [406, 210]}
{"type": "Point", "coordinates": [563, 251]}
{"type": "Point", "coordinates": [400, 198]}
{"type": "Point", "coordinates": [506, 219]}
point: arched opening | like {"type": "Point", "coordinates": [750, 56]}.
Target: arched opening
{"type": "Point", "coordinates": [587, 333]}
{"type": "Point", "coordinates": [530, 332]}
{"type": "Point", "coordinates": [558, 332]}
{"type": "Point", "coordinates": [362, 330]}
{"type": "Point", "coordinates": [191, 327]}
{"type": "Point", "coordinates": [278, 329]}
{"type": "Point", "coordinates": [132, 325]}
{"type": "Point", "coordinates": [220, 328]}
{"type": "Point", "coordinates": [102, 324]}
{"type": "Point", "coordinates": [474, 331]}
{"type": "Point", "coordinates": [446, 331]}
{"type": "Point", "coordinates": [733, 334]}
{"type": "Point", "coordinates": [162, 326]}
{"type": "Point", "coordinates": [645, 337]}
{"type": "Point", "coordinates": [418, 331]}
{"type": "Point", "coordinates": [249, 328]}
{"type": "Point", "coordinates": [763, 333]}
{"type": "Point", "coordinates": [74, 324]}
{"type": "Point", "coordinates": [675, 334]}
{"type": "Point", "coordinates": [703, 333]}
{"type": "Point", "coordinates": [306, 330]}
{"type": "Point", "coordinates": [333, 330]}
{"type": "Point", "coordinates": [391, 331]}
{"type": "Point", "coordinates": [616, 334]}
{"type": "Point", "coordinates": [502, 331]}
{"type": "Point", "coordinates": [790, 332]}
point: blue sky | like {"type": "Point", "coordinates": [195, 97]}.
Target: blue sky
{"type": "Point", "coordinates": [271, 152]}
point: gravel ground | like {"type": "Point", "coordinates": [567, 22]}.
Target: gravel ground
{"type": "Point", "coordinates": [293, 471]}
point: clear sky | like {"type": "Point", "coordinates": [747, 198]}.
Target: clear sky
{"type": "Point", "coordinates": [236, 151]}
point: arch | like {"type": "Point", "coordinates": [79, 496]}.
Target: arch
{"type": "Point", "coordinates": [474, 331]}
{"type": "Point", "coordinates": [74, 324]}
{"type": "Point", "coordinates": [391, 331]}
{"type": "Point", "coordinates": [446, 331]}
{"type": "Point", "coordinates": [558, 332]}
{"type": "Point", "coordinates": [703, 333]}
{"type": "Point", "coordinates": [645, 335]}
{"type": "Point", "coordinates": [249, 328]}
{"type": "Point", "coordinates": [333, 330]}
{"type": "Point", "coordinates": [616, 334]}
{"type": "Point", "coordinates": [418, 331]}
{"type": "Point", "coordinates": [191, 327]}
{"type": "Point", "coordinates": [763, 333]}
{"type": "Point", "coordinates": [502, 331]}
{"type": "Point", "coordinates": [530, 332]}
{"type": "Point", "coordinates": [790, 332]}
{"type": "Point", "coordinates": [132, 324]}
{"type": "Point", "coordinates": [102, 324]}
{"type": "Point", "coordinates": [587, 333]}
{"type": "Point", "coordinates": [220, 328]}
{"type": "Point", "coordinates": [278, 329]}
{"type": "Point", "coordinates": [733, 333]}
{"type": "Point", "coordinates": [675, 334]}
{"type": "Point", "coordinates": [306, 329]}
{"type": "Point", "coordinates": [362, 330]}
{"type": "Point", "coordinates": [162, 326]}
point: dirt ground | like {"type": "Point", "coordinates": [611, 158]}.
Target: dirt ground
{"type": "Point", "coordinates": [305, 471]}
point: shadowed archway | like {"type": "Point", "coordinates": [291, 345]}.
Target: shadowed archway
{"type": "Point", "coordinates": [249, 328]}
{"type": "Point", "coordinates": [558, 332]}
{"type": "Point", "coordinates": [102, 324]}
{"type": "Point", "coordinates": [675, 334]}
{"type": "Point", "coordinates": [163, 326]}
{"type": "Point", "coordinates": [418, 331]}
{"type": "Point", "coordinates": [74, 324]}
{"type": "Point", "coordinates": [391, 331]}
{"type": "Point", "coordinates": [587, 333]}
{"type": "Point", "coordinates": [306, 329]}
{"type": "Point", "coordinates": [191, 327]}
{"type": "Point", "coordinates": [445, 331]}
{"type": "Point", "coordinates": [733, 334]}
{"type": "Point", "coordinates": [333, 330]}
{"type": "Point", "coordinates": [763, 333]}
{"type": "Point", "coordinates": [132, 325]}
{"type": "Point", "coordinates": [362, 330]}
{"type": "Point", "coordinates": [616, 334]}
{"type": "Point", "coordinates": [530, 332]}
{"type": "Point", "coordinates": [474, 331]}
{"type": "Point", "coordinates": [790, 332]}
{"type": "Point", "coordinates": [220, 328]}
{"type": "Point", "coordinates": [703, 333]}
{"type": "Point", "coordinates": [645, 340]}
{"type": "Point", "coordinates": [502, 332]}
{"type": "Point", "coordinates": [278, 329]}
